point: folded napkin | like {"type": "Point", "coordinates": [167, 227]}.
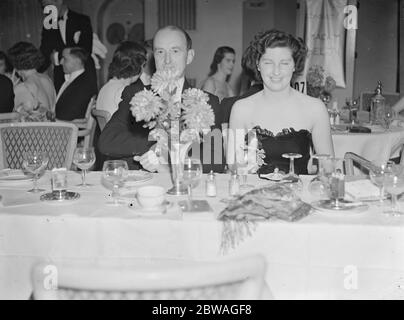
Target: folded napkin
{"type": "Point", "coordinates": [361, 190]}
{"type": "Point", "coordinates": [10, 198]}
{"type": "Point", "coordinates": [277, 201]}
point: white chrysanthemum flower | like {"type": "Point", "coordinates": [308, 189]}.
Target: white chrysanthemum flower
{"type": "Point", "coordinates": [165, 81]}
{"type": "Point", "coordinates": [198, 116]}
{"type": "Point", "coordinates": [146, 106]}
{"type": "Point", "coordinates": [194, 95]}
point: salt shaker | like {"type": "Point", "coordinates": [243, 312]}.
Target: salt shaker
{"type": "Point", "coordinates": [234, 185]}
{"type": "Point", "coordinates": [211, 185]}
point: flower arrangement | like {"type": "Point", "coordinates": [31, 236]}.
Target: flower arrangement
{"type": "Point", "coordinates": [317, 86]}
{"type": "Point", "coordinates": [183, 121]}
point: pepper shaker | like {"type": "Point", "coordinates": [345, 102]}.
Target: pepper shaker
{"type": "Point", "coordinates": [211, 185]}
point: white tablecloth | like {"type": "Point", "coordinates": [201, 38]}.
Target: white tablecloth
{"type": "Point", "coordinates": [325, 255]}
{"type": "Point", "coordinates": [378, 146]}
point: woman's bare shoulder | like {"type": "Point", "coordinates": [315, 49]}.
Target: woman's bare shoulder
{"type": "Point", "coordinates": [309, 102]}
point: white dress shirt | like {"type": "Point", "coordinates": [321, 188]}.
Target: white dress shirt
{"type": "Point", "coordinates": [69, 78]}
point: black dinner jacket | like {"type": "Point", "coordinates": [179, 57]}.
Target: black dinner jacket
{"type": "Point", "coordinates": [51, 40]}
{"type": "Point", "coordinates": [74, 100]}
{"type": "Point", "coordinates": [123, 137]}
{"type": "Point", "coordinates": [6, 94]}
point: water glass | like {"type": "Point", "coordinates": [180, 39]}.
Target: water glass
{"type": "Point", "coordinates": [59, 183]}
{"type": "Point", "coordinates": [191, 177]}
{"type": "Point", "coordinates": [393, 182]}
{"type": "Point", "coordinates": [35, 162]}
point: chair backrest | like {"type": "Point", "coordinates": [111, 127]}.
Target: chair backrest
{"type": "Point", "coordinates": [391, 99]}
{"type": "Point", "coordinates": [59, 139]}
{"type": "Point", "coordinates": [9, 117]}
{"type": "Point", "coordinates": [241, 278]}
{"type": "Point", "coordinates": [353, 160]}
{"type": "Point", "coordinates": [87, 125]}
{"type": "Point", "coordinates": [102, 117]}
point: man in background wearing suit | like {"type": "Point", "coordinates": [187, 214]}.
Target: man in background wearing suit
{"type": "Point", "coordinates": [74, 30]}
{"type": "Point", "coordinates": [79, 86]}
{"type": "Point", "coordinates": [7, 95]}
{"type": "Point", "coordinates": [124, 138]}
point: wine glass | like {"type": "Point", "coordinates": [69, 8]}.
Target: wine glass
{"type": "Point", "coordinates": [393, 182]}
{"type": "Point", "coordinates": [84, 159]}
{"type": "Point", "coordinates": [35, 162]}
{"type": "Point", "coordinates": [319, 184]}
{"type": "Point", "coordinates": [242, 160]}
{"type": "Point", "coordinates": [292, 177]}
{"type": "Point", "coordinates": [191, 177]}
{"type": "Point", "coordinates": [115, 172]}
{"type": "Point", "coordinates": [377, 177]}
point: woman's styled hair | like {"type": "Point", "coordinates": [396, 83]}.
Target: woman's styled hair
{"type": "Point", "coordinates": [276, 39]}
{"type": "Point", "coordinates": [25, 56]}
{"type": "Point", "coordinates": [127, 61]}
{"type": "Point", "coordinates": [7, 62]}
{"type": "Point", "coordinates": [218, 57]}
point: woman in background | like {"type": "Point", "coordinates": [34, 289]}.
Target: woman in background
{"type": "Point", "coordinates": [35, 96]}
{"type": "Point", "coordinates": [284, 120]}
{"type": "Point", "coordinates": [125, 68]}
{"type": "Point", "coordinates": [221, 69]}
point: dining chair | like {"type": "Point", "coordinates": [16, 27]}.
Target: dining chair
{"type": "Point", "coordinates": [87, 125]}
{"type": "Point", "coordinates": [102, 117]}
{"type": "Point", "coordinates": [241, 278]}
{"type": "Point", "coordinates": [353, 160]}
{"type": "Point", "coordinates": [59, 139]}
{"type": "Point", "coordinates": [9, 117]}
{"type": "Point", "coordinates": [366, 96]}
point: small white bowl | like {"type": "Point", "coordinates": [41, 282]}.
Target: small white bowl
{"type": "Point", "coordinates": [151, 196]}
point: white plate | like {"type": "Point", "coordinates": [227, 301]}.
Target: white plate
{"type": "Point", "coordinates": [13, 175]}
{"type": "Point", "coordinates": [136, 177]}
{"type": "Point", "coordinates": [147, 212]}
{"type": "Point", "coordinates": [350, 208]}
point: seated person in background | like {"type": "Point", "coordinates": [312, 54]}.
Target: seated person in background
{"type": "Point", "coordinates": [221, 69]}
{"type": "Point", "coordinates": [6, 68]}
{"type": "Point", "coordinates": [125, 68]}
{"type": "Point", "coordinates": [150, 66]}
{"type": "Point", "coordinates": [7, 94]}
{"type": "Point", "coordinates": [256, 85]}
{"type": "Point", "coordinates": [123, 137]}
{"type": "Point", "coordinates": [78, 89]}
{"type": "Point", "coordinates": [285, 120]}
{"type": "Point", "coordinates": [398, 107]}
{"type": "Point", "coordinates": [35, 95]}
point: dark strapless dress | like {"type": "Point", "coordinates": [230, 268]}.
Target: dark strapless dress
{"type": "Point", "coordinates": [287, 141]}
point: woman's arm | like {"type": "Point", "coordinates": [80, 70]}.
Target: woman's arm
{"type": "Point", "coordinates": [236, 133]}
{"type": "Point", "coordinates": [321, 132]}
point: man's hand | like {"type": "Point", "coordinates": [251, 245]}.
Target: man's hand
{"type": "Point", "coordinates": [149, 161]}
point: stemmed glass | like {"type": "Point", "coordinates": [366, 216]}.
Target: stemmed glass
{"type": "Point", "coordinates": [242, 159]}
{"type": "Point", "coordinates": [84, 159]}
{"type": "Point", "coordinates": [115, 172]}
{"type": "Point", "coordinates": [377, 177]}
{"type": "Point", "coordinates": [35, 162]}
{"type": "Point", "coordinates": [319, 184]}
{"type": "Point", "coordinates": [292, 177]}
{"type": "Point", "coordinates": [388, 116]}
{"type": "Point", "coordinates": [393, 182]}
{"type": "Point", "coordinates": [191, 177]}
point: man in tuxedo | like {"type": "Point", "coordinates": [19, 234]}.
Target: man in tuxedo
{"type": "Point", "coordinates": [79, 87]}
{"type": "Point", "coordinates": [7, 95]}
{"type": "Point", "coordinates": [124, 138]}
{"type": "Point", "coordinates": [74, 30]}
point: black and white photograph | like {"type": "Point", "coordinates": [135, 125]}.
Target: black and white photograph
{"type": "Point", "coordinates": [212, 152]}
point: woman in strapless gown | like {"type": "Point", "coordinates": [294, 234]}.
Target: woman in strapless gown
{"type": "Point", "coordinates": [221, 69]}
{"type": "Point", "coordinates": [282, 119]}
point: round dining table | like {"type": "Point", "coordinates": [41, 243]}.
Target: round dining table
{"type": "Point", "coordinates": [378, 146]}
{"type": "Point", "coordinates": [354, 254]}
